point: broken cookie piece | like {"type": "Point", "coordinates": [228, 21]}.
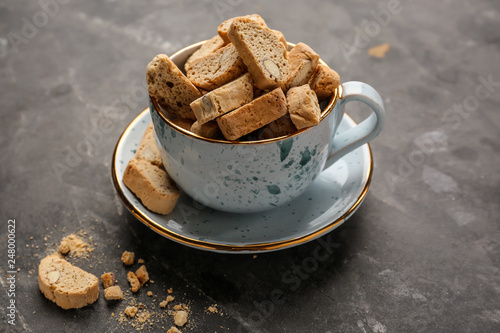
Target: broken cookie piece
{"type": "Point", "coordinates": [113, 293]}
{"type": "Point", "coordinates": [135, 285]}
{"type": "Point", "coordinates": [108, 280]}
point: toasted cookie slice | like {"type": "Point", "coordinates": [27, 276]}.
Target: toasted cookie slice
{"type": "Point", "coordinates": [148, 150]}
{"type": "Point", "coordinates": [224, 99]}
{"type": "Point", "coordinates": [216, 69]}
{"type": "Point", "coordinates": [170, 87]}
{"type": "Point", "coordinates": [262, 52]}
{"type": "Point", "coordinates": [224, 26]}
{"type": "Point", "coordinates": [66, 285]}
{"type": "Point", "coordinates": [209, 47]}
{"type": "Point", "coordinates": [152, 185]}
{"type": "Point", "coordinates": [303, 106]}
{"type": "Point", "coordinates": [252, 116]}
{"type": "Point", "coordinates": [208, 130]}
{"type": "Point", "coordinates": [324, 82]}
{"type": "Point", "coordinates": [303, 62]}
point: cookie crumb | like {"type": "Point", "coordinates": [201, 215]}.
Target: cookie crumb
{"type": "Point", "coordinates": [180, 318]}
{"type": "Point", "coordinates": [131, 311]}
{"type": "Point", "coordinates": [150, 293]}
{"type": "Point", "coordinates": [113, 293]}
{"type": "Point", "coordinates": [140, 261]}
{"type": "Point", "coordinates": [173, 330]}
{"type": "Point", "coordinates": [142, 275]}
{"type": "Point", "coordinates": [135, 285]}
{"type": "Point", "coordinates": [128, 258]}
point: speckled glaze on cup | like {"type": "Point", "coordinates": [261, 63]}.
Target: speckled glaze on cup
{"type": "Point", "coordinates": [254, 176]}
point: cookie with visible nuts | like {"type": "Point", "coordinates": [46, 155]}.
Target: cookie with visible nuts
{"type": "Point", "coordinates": [223, 99]}
{"type": "Point", "coordinates": [303, 62]}
{"type": "Point", "coordinates": [303, 106]}
{"type": "Point", "coordinates": [324, 82]}
{"type": "Point", "coordinates": [254, 115]}
{"type": "Point", "coordinates": [66, 285]}
{"type": "Point", "coordinates": [170, 86]}
{"type": "Point", "coordinates": [262, 52]}
{"type": "Point", "coordinates": [216, 69]}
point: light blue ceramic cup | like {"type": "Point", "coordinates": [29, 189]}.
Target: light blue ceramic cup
{"type": "Point", "coordinates": [259, 175]}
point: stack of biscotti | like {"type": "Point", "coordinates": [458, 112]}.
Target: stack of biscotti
{"type": "Point", "coordinates": [243, 82]}
{"type": "Point", "coordinates": [147, 178]}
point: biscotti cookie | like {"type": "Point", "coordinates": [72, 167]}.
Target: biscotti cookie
{"type": "Point", "coordinates": [210, 46]}
{"type": "Point", "coordinates": [66, 285]}
{"type": "Point", "coordinates": [303, 106]}
{"type": "Point", "coordinates": [152, 185]}
{"type": "Point", "coordinates": [216, 69]}
{"type": "Point", "coordinates": [170, 87]}
{"type": "Point", "coordinates": [303, 61]}
{"type": "Point", "coordinates": [224, 99]}
{"type": "Point", "coordinates": [262, 52]}
{"type": "Point", "coordinates": [324, 82]}
{"type": "Point", "coordinates": [148, 150]}
{"type": "Point", "coordinates": [280, 127]}
{"type": "Point", "coordinates": [208, 130]}
{"type": "Point", "coordinates": [224, 26]}
{"type": "Point", "coordinates": [254, 115]}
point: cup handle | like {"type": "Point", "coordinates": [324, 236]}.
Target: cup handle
{"type": "Point", "coordinates": [365, 131]}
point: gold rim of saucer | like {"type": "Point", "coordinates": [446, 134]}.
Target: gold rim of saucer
{"type": "Point", "coordinates": [257, 247]}
{"type": "Point", "coordinates": [337, 94]}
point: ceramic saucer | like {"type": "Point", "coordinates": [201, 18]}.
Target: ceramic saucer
{"type": "Point", "coordinates": [326, 204]}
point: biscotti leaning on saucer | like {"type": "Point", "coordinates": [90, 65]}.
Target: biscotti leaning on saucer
{"type": "Point", "coordinates": [66, 285]}
{"type": "Point", "coordinates": [148, 180]}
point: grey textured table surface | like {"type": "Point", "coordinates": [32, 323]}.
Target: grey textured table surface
{"type": "Point", "coordinates": [422, 254]}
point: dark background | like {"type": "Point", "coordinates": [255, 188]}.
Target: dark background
{"type": "Point", "coordinates": [422, 254]}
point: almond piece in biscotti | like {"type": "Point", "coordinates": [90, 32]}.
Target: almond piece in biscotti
{"type": "Point", "coordinates": [303, 62]}
{"type": "Point", "coordinates": [262, 52]}
{"type": "Point", "coordinates": [66, 285]}
{"type": "Point", "coordinates": [303, 106]}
